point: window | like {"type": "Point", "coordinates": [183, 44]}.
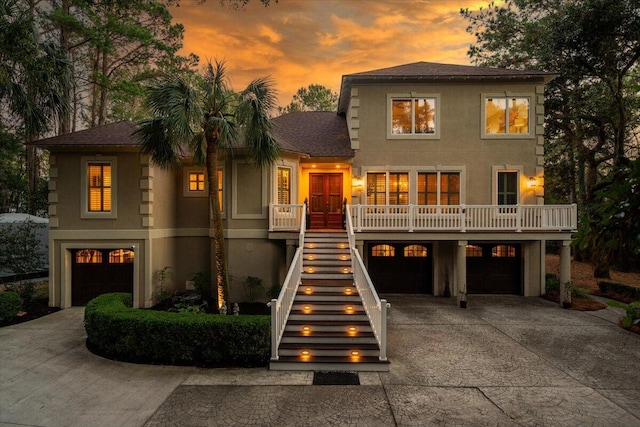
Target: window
{"type": "Point", "coordinates": [415, 251]}
{"type": "Point", "coordinates": [196, 181]}
{"type": "Point", "coordinates": [398, 188]}
{"type": "Point", "coordinates": [121, 256]}
{"type": "Point", "coordinates": [439, 188]}
{"type": "Point", "coordinates": [507, 188]}
{"type": "Point", "coordinates": [413, 116]}
{"type": "Point", "coordinates": [503, 251]}
{"type": "Point", "coordinates": [99, 192]}
{"type": "Point", "coordinates": [376, 188]}
{"type": "Point", "coordinates": [383, 251]}
{"type": "Point", "coordinates": [474, 251]}
{"type": "Point", "coordinates": [506, 115]}
{"type": "Point", "coordinates": [88, 256]}
{"type": "Point", "coordinates": [284, 186]}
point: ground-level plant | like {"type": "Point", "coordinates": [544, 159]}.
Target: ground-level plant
{"type": "Point", "coordinates": [10, 305]}
{"type": "Point", "coordinates": [117, 331]}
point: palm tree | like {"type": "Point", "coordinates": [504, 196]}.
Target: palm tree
{"type": "Point", "coordinates": [205, 118]}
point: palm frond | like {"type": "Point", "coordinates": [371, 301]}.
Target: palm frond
{"type": "Point", "coordinates": [177, 102]}
{"type": "Point", "coordinates": [155, 140]}
{"type": "Point", "coordinates": [255, 105]}
{"type": "Point", "coordinates": [199, 148]}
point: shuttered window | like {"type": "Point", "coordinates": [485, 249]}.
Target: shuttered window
{"type": "Point", "coordinates": [99, 191]}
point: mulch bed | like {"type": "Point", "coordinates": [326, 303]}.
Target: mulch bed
{"type": "Point", "coordinates": [579, 303]}
{"type": "Point", "coordinates": [37, 308]}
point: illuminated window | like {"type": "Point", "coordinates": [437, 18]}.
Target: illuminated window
{"type": "Point", "coordinates": [439, 188]}
{"type": "Point", "coordinates": [121, 256]}
{"type": "Point", "coordinates": [383, 251]}
{"type": "Point", "coordinates": [196, 181]}
{"type": "Point", "coordinates": [507, 188]}
{"type": "Point", "coordinates": [415, 251]}
{"type": "Point", "coordinates": [99, 191]}
{"type": "Point", "coordinates": [506, 115]}
{"type": "Point", "coordinates": [503, 251]}
{"type": "Point", "coordinates": [284, 186]}
{"type": "Point", "coordinates": [413, 116]}
{"type": "Point", "coordinates": [398, 188]}
{"type": "Point", "coordinates": [376, 188]}
{"type": "Point", "coordinates": [88, 256]}
{"type": "Point", "coordinates": [474, 251]}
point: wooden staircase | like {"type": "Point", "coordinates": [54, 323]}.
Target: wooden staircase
{"type": "Point", "coordinates": [328, 328]}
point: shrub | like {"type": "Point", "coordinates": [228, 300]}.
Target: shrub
{"type": "Point", "coordinates": [120, 332]}
{"type": "Point", "coordinates": [619, 288]}
{"type": "Point", "coordinates": [10, 305]}
{"type": "Point", "coordinates": [552, 283]}
{"type": "Point", "coordinates": [633, 310]}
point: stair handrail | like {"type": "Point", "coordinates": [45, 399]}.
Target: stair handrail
{"type": "Point", "coordinates": [375, 307]}
{"type": "Point", "coordinates": [281, 306]}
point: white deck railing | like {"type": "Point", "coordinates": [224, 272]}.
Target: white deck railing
{"type": "Point", "coordinates": [281, 307]}
{"type": "Point", "coordinates": [464, 218]}
{"type": "Point", "coordinates": [285, 217]}
{"type": "Point", "coordinates": [375, 308]}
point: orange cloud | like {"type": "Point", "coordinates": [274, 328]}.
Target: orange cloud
{"type": "Point", "coordinates": [317, 41]}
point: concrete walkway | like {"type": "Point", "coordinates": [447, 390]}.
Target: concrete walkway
{"type": "Point", "coordinates": [504, 361]}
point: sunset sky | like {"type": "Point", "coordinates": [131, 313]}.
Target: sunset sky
{"type": "Point", "coordinates": [300, 42]}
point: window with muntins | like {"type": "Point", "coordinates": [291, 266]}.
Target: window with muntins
{"type": "Point", "coordinates": [196, 181]}
{"type": "Point", "coordinates": [507, 188]}
{"type": "Point", "coordinates": [383, 251]}
{"type": "Point", "coordinates": [506, 115]}
{"type": "Point", "coordinates": [439, 188]}
{"type": "Point", "coordinates": [398, 188]}
{"type": "Point", "coordinates": [415, 251]}
{"type": "Point", "coordinates": [377, 188]}
{"type": "Point", "coordinates": [284, 186]}
{"type": "Point", "coordinates": [99, 191]}
{"type": "Point", "coordinates": [413, 116]}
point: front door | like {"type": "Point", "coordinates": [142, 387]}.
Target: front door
{"type": "Point", "coordinates": [325, 209]}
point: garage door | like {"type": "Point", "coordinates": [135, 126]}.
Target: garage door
{"type": "Point", "coordinates": [401, 268]}
{"type": "Point", "coordinates": [494, 269]}
{"type": "Point", "coordinates": [100, 271]}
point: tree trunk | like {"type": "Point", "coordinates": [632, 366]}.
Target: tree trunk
{"type": "Point", "coordinates": [220, 292]}
{"type": "Point", "coordinates": [33, 174]}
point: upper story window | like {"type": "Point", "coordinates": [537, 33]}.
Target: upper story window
{"type": "Point", "coordinates": [197, 185]}
{"type": "Point", "coordinates": [98, 187]}
{"type": "Point", "coordinates": [507, 190]}
{"type": "Point", "coordinates": [99, 180]}
{"type": "Point", "coordinates": [439, 188]}
{"type": "Point", "coordinates": [413, 116]}
{"type": "Point", "coordinates": [284, 185]}
{"type": "Point", "coordinates": [398, 188]}
{"type": "Point", "coordinates": [377, 188]}
{"type": "Point", "coordinates": [506, 115]}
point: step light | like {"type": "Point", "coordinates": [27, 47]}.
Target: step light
{"type": "Point", "coordinates": [310, 257]}
{"type": "Point", "coordinates": [348, 291]}
{"type": "Point", "coordinates": [306, 308]}
{"type": "Point", "coordinates": [305, 355]}
{"type": "Point", "coordinates": [344, 257]}
{"type": "Point", "coordinates": [310, 245]}
{"type": "Point", "coordinates": [345, 270]}
{"type": "Point", "coordinates": [306, 330]}
{"type": "Point", "coordinates": [352, 330]}
{"type": "Point", "coordinates": [342, 246]}
{"type": "Point", "coordinates": [308, 291]}
{"type": "Point", "coordinates": [355, 353]}
{"type": "Point", "coordinates": [310, 270]}
{"type": "Point", "coordinates": [349, 309]}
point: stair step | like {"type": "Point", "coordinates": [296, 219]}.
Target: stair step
{"type": "Point", "coordinates": [322, 327]}
{"type": "Point", "coordinates": [326, 297]}
{"type": "Point", "coordinates": [327, 256]}
{"type": "Point", "coordinates": [328, 262]}
{"type": "Point", "coordinates": [313, 340]}
{"type": "Point", "coordinates": [321, 305]}
{"type": "Point", "coordinates": [323, 282]}
{"type": "Point", "coordinates": [327, 276]}
{"type": "Point", "coordinates": [328, 316]}
{"type": "Point", "coordinates": [325, 251]}
{"type": "Point", "coordinates": [324, 239]}
{"type": "Point", "coordinates": [315, 235]}
{"type": "Point", "coordinates": [348, 290]}
{"type": "Point", "coordinates": [327, 269]}
{"type": "Point", "coordinates": [365, 365]}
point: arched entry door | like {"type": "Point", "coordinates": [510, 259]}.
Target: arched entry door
{"type": "Point", "coordinates": [325, 207]}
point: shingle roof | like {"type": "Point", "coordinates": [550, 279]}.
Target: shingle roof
{"type": "Point", "coordinates": [431, 71]}
{"type": "Point", "coordinates": [316, 133]}
{"type": "Point", "coordinates": [112, 134]}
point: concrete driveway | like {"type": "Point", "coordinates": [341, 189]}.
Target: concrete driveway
{"type": "Point", "coordinates": [504, 361]}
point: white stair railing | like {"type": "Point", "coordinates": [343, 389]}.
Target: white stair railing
{"type": "Point", "coordinates": [375, 308]}
{"type": "Point", "coordinates": [281, 307]}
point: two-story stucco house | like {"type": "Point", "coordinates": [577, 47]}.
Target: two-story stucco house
{"type": "Point", "coordinates": [436, 171]}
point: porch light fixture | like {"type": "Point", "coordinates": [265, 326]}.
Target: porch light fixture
{"type": "Point", "coordinates": [532, 182]}
{"type": "Point", "coordinates": [357, 183]}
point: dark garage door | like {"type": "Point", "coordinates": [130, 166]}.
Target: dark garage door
{"type": "Point", "coordinates": [100, 271]}
{"type": "Point", "coordinates": [494, 268]}
{"type": "Point", "coordinates": [401, 267]}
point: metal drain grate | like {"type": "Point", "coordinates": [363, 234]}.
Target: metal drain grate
{"type": "Point", "coordinates": [335, 378]}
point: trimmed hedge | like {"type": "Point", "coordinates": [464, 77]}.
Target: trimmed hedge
{"type": "Point", "coordinates": [117, 331]}
{"type": "Point", "coordinates": [10, 305]}
{"type": "Point", "coordinates": [629, 291]}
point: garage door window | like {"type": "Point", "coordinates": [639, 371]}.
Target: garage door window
{"type": "Point", "coordinates": [88, 256]}
{"type": "Point", "coordinates": [383, 251]}
{"type": "Point", "coordinates": [474, 251]}
{"type": "Point", "coordinates": [503, 251]}
{"type": "Point", "coordinates": [415, 251]}
{"type": "Point", "coordinates": [121, 256]}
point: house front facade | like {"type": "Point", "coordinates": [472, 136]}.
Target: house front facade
{"type": "Point", "coordinates": [438, 171]}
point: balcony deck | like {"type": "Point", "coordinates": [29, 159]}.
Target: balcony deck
{"type": "Point", "coordinates": [424, 218]}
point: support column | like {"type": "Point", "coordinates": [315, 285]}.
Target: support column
{"type": "Point", "coordinates": [565, 274]}
{"type": "Point", "coordinates": [461, 273]}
